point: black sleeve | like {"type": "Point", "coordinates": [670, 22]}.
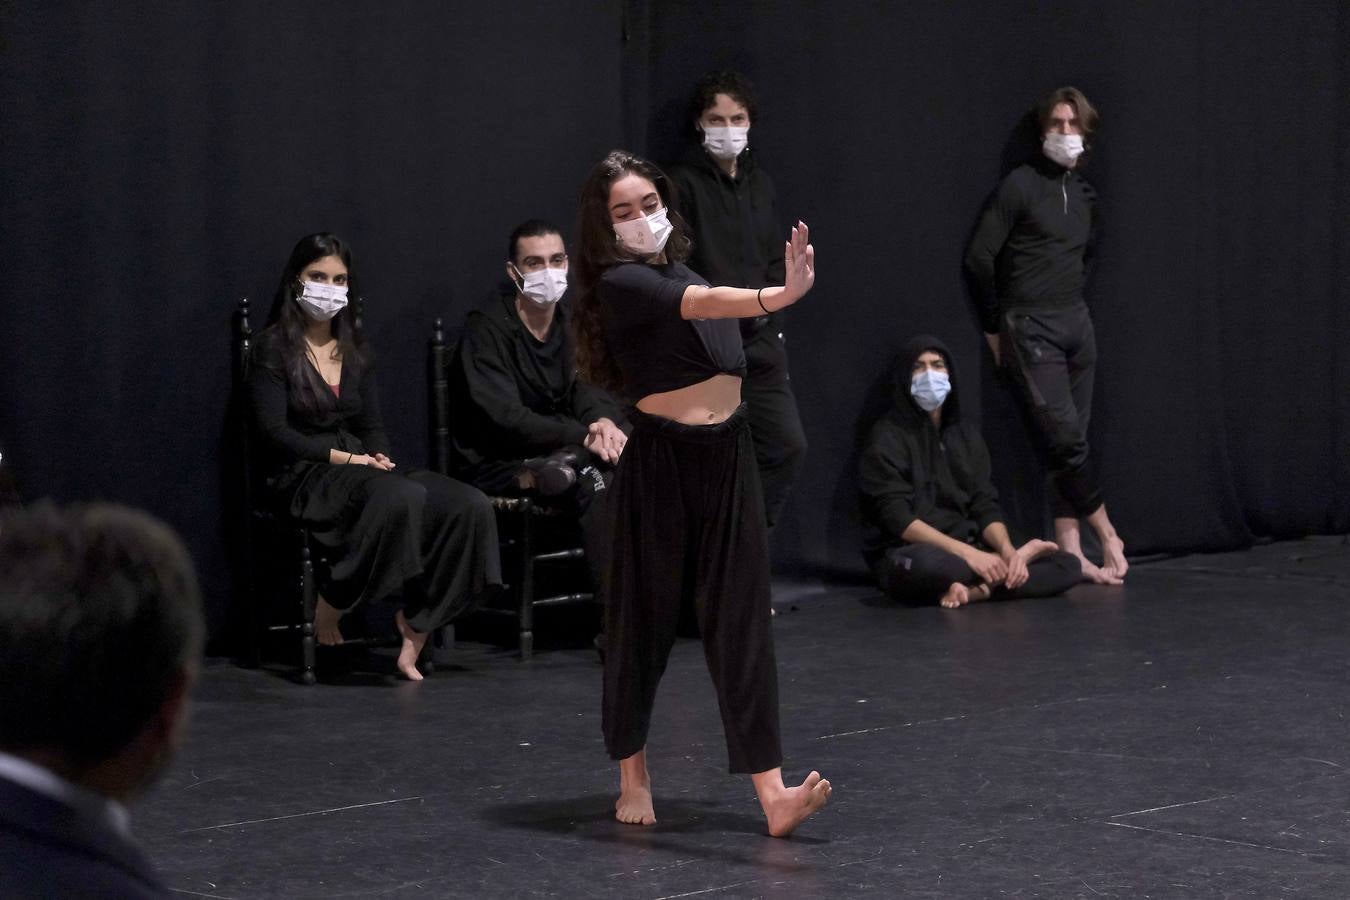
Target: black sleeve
{"type": "Point", "coordinates": [368, 425]}
{"type": "Point", "coordinates": [492, 387]}
{"type": "Point", "coordinates": [684, 201]}
{"type": "Point", "coordinates": [885, 481]}
{"type": "Point", "coordinates": [590, 403]}
{"type": "Point", "coordinates": [267, 392]}
{"type": "Point", "coordinates": [996, 222]}
{"type": "Point", "coordinates": [636, 292]}
{"type": "Point", "coordinates": [984, 508]}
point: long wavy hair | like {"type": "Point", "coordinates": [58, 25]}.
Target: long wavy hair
{"type": "Point", "coordinates": [284, 337]}
{"type": "Point", "coordinates": [598, 249]}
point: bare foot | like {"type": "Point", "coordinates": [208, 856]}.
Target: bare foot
{"type": "Point", "coordinates": [1035, 549]}
{"type": "Point", "coordinates": [957, 595]}
{"type": "Point", "coordinates": [1096, 575]}
{"type": "Point", "coordinates": [1113, 557]}
{"type": "Point", "coordinates": [413, 642]}
{"type": "Point", "coordinates": [634, 806]}
{"type": "Point", "coordinates": [785, 808]}
{"type": "Point", "coordinates": [326, 624]}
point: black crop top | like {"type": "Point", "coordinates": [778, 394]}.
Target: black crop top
{"type": "Point", "coordinates": [657, 350]}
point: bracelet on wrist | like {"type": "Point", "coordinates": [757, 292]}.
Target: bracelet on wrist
{"type": "Point", "coordinates": [759, 298]}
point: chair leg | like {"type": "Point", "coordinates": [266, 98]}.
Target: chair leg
{"type": "Point", "coordinates": [308, 600]}
{"type": "Point", "coordinates": [526, 584]}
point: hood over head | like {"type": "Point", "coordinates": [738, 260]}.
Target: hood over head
{"type": "Point", "coordinates": [903, 405]}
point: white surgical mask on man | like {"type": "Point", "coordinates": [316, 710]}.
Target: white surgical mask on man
{"type": "Point", "coordinates": [725, 141]}
{"type": "Point", "coordinates": [930, 389]}
{"type": "Point", "coordinates": [1063, 148]}
{"type": "Point", "coordinates": [322, 301]}
{"type": "Point", "coordinates": [645, 236]}
{"type": "Point", "coordinates": [544, 287]}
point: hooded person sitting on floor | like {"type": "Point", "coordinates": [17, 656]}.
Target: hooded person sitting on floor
{"type": "Point", "coordinates": [934, 529]}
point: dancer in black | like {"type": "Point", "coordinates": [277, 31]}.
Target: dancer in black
{"type": "Point", "coordinates": [729, 203]}
{"type": "Point", "coordinates": [1027, 263]}
{"type": "Point", "coordinates": [935, 533]}
{"type": "Point", "coordinates": [422, 538]}
{"type": "Point", "coordinates": [686, 505]}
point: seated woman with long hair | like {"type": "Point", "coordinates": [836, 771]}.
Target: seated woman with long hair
{"type": "Point", "coordinates": [687, 511]}
{"type": "Point", "coordinates": [419, 537]}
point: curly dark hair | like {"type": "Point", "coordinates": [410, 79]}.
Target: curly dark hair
{"type": "Point", "coordinates": [726, 81]}
{"type": "Point", "coordinates": [598, 249]}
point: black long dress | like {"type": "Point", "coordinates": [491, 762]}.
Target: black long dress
{"type": "Point", "coordinates": [419, 536]}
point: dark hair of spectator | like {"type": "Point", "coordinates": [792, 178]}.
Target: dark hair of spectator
{"type": "Point", "coordinates": [729, 82]}
{"type": "Point", "coordinates": [598, 249]}
{"type": "Point", "coordinates": [1087, 113]}
{"type": "Point", "coordinates": [287, 321]}
{"type": "Point", "coordinates": [99, 618]}
{"type": "Point", "coordinates": [529, 228]}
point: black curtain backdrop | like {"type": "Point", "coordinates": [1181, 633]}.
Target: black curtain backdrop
{"type": "Point", "coordinates": [157, 161]}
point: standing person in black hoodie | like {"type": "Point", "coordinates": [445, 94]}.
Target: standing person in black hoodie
{"type": "Point", "coordinates": [730, 206]}
{"type": "Point", "coordinates": [935, 533]}
{"type": "Point", "coordinates": [1027, 264]}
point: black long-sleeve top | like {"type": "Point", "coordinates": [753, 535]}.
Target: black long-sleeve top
{"type": "Point", "coordinates": [910, 469]}
{"type": "Point", "coordinates": [513, 396]}
{"type": "Point", "coordinates": [298, 426]}
{"type": "Point", "coordinates": [1033, 243]}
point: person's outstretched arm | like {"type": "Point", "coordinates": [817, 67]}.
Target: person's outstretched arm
{"type": "Point", "coordinates": [799, 260]}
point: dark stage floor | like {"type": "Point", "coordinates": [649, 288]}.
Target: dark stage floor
{"type": "Point", "coordinates": [1185, 736]}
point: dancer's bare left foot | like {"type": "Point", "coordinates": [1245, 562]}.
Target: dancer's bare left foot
{"type": "Point", "coordinates": [785, 808]}
{"type": "Point", "coordinates": [1097, 575]}
{"type": "Point", "coordinates": [413, 642]}
{"type": "Point", "coordinates": [634, 806]}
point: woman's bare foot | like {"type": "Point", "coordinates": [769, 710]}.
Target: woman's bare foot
{"type": "Point", "coordinates": [785, 808]}
{"type": "Point", "coordinates": [326, 619]}
{"type": "Point", "coordinates": [1035, 549]}
{"type": "Point", "coordinates": [413, 642]}
{"type": "Point", "coordinates": [634, 806]}
{"type": "Point", "coordinates": [1113, 557]}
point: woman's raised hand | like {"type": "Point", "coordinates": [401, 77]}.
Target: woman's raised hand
{"type": "Point", "coordinates": [800, 263]}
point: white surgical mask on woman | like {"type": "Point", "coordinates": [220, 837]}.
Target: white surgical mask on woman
{"type": "Point", "coordinates": [725, 141]}
{"type": "Point", "coordinates": [1063, 148]}
{"type": "Point", "coordinates": [645, 236]}
{"type": "Point", "coordinates": [322, 301]}
{"type": "Point", "coordinates": [930, 389]}
{"type": "Point", "coordinates": [544, 286]}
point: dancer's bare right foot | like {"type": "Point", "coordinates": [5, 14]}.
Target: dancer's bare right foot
{"type": "Point", "coordinates": [326, 620]}
{"type": "Point", "coordinates": [411, 647]}
{"type": "Point", "coordinates": [785, 808]}
{"type": "Point", "coordinates": [634, 806]}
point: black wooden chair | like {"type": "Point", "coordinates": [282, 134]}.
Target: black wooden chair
{"type": "Point", "coordinates": [537, 540]}
{"type": "Point", "coordinates": [278, 556]}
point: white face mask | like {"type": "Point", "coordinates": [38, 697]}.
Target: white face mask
{"type": "Point", "coordinates": [726, 141]}
{"type": "Point", "coordinates": [322, 301]}
{"type": "Point", "coordinates": [543, 287]}
{"type": "Point", "coordinates": [645, 236]}
{"type": "Point", "coordinates": [1063, 148]}
{"type": "Point", "coordinates": [930, 389]}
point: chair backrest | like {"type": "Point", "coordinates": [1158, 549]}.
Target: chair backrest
{"type": "Point", "coordinates": [438, 399]}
